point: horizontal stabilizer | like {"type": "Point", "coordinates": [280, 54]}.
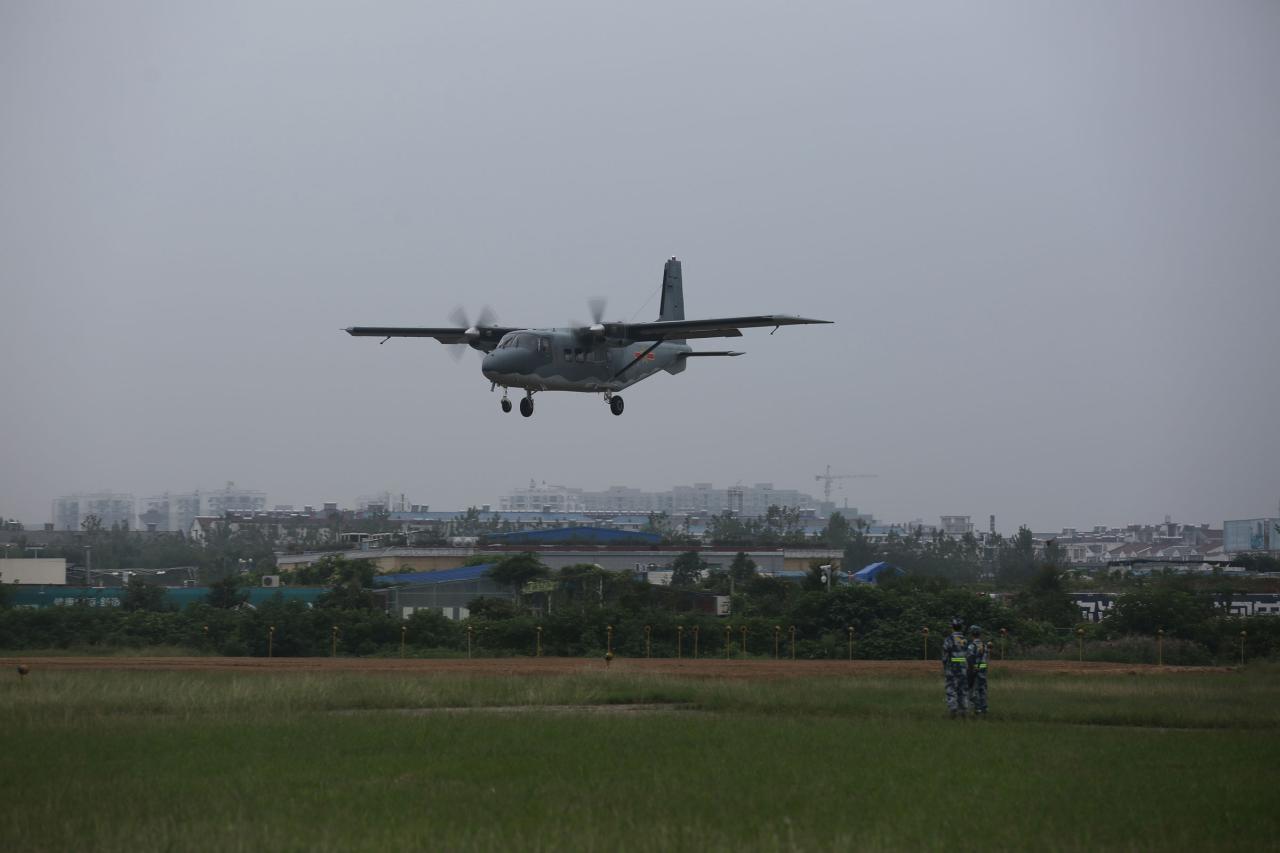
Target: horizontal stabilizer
{"type": "Point", "coordinates": [726, 352]}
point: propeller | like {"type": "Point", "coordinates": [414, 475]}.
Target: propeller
{"type": "Point", "coordinates": [596, 306]}
{"type": "Point", "coordinates": [486, 317]}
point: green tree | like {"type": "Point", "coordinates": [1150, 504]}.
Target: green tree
{"type": "Point", "coordinates": [687, 569]}
{"type": "Point", "coordinates": [859, 552]}
{"type": "Point", "coordinates": [1046, 599]}
{"type": "Point", "coordinates": [517, 570]}
{"type": "Point", "coordinates": [743, 568]}
{"type": "Point", "coordinates": [1016, 562]}
{"type": "Point", "coordinates": [226, 593]}
{"type": "Point", "coordinates": [492, 609]}
{"type": "Point", "coordinates": [837, 532]}
{"type": "Point", "coordinates": [140, 595]}
{"type": "Point", "coordinates": [1171, 604]}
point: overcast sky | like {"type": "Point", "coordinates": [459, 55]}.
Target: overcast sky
{"type": "Point", "coordinates": [1047, 234]}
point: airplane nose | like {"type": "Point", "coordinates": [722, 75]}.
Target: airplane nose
{"type": "Point", "coordinates": [501, 362]}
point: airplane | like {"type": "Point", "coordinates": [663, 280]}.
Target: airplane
{"type": "Point", "coordinates": [602, 358]}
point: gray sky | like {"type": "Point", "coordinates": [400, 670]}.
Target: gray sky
{"type": "Point", "coordinates": [1047, 233]}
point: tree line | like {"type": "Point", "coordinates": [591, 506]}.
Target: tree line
{"type": "Point", "coordinates": [576, 609]}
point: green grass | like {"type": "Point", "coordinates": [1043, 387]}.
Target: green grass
{"type": "Point", "coordinates": [224, 761]}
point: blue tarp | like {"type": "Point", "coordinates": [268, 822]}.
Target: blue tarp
{"type": "Point", "coordinates": [875, 571]}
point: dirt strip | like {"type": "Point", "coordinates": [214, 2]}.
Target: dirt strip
{"type": "Point", "coordinates": [705, 668]}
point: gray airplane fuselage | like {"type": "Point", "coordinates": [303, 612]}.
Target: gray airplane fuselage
{"type": "Point", "coordinates": [565, 360]}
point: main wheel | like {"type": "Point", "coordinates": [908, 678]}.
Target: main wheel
{"type": "Point", "coordinates": [615, 405]}
{"type": "Point", "coordinates": [526, 406]}
{"type": "Point", "coordinates": [506, 404]}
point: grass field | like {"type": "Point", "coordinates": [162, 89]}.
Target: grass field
{"type": "Point", "coordinates": [633, 760]}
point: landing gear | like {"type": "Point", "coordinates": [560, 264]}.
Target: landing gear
{"type": "Point", "coordinates": [506, 403]}
{"type": "Point", "coordinates": [615, 405]}
{"type": "Point", "coordinates": [526, 406]}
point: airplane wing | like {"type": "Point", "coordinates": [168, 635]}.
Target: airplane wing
{"type": "Point", "coordinates": [719, 327]}
{"type": "Point", "coordinates": [484, 337]}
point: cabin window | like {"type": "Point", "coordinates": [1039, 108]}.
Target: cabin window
{"type": "Point", "coordinates": [568, 355]}
{"type": "Point", "coordinates": [544, 346]}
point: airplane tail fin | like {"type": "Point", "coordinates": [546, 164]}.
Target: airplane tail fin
{"type": "Point", "coordinates": [672, 292]}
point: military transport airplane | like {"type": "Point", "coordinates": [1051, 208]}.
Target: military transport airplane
{"type": "Point", "coordinates": [602, 358]}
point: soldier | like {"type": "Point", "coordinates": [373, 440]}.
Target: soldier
{"type": "Point", "coordinates": [955, 668]}
{"type": "Point", "coordinates": [978, 654]}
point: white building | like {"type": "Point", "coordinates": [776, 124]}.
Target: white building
{"type": "Point", "coordinates": [543, 497]}
{"type": "Point", "coordinates": [232, 499]}
{"type": "Point", "coordinates": [43, 570]}
{"type": "Point", "coordinates": [110, 508]}
{"type": "Point", "coordinates": [1251, 534]}
{"type": "Point", "coordinates": [699, 498]}
{"type": "Point", "coordinates": [168, 512]}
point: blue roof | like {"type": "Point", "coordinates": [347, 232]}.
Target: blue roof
{"type": "Point", "coordinates": [464, 573]}
{"type": "Point", "coordinates": [873, 572]}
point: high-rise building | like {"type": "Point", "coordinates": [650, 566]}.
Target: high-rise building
{"type": "Point", "coordinates": [169, 513]}
{"type": "Point", "coordinates": [232, 499]}
{"type": "Point", "coordinates": [698, 498]}
{"type": "Point", "coordinates": [109, 508]}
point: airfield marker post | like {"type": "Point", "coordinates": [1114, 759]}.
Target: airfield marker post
{"type": "Point", "coordinates": [777, 634]}
{"type": "Point", "coordinates": [743, 648]}
{"type": "Point", "coordinates": [609, 649]}
{"type": "Point", "coordinates": [850, 642]}
{"type": "Point", "coordinates": [696, 633]}
{"type": "Point", "coordinates": [1243, 634]}
{"type": "Point", "coordinates": [926, 642]}
{"type": "Point", "coordinates": [679, 642]}
{"type": "Point", "coordinates": [1159, 647]}
{"type": "Point", "coordinates": [538, 650]}
{"type": "Point", "coordinates": [1080, 643]}
{"type": "Point", "coordinates": [728, 643]}
{"type": "Point", "coordinates": [333, 643]}
{"type": "Point", "coordinates": [470, 632]}
{"type": "Point", "coordinates": [793, 642]}
{"type": "Point", "coordinates": [404, 629]}
{"type": "Point", "coordinates": [648, 635]}
{"type": "Point", "coordinates": [271, 639]}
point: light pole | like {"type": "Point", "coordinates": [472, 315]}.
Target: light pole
{"type": "Point", "coordinates": [88, 565]}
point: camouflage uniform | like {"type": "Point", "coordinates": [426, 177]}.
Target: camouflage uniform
{"type": "Point", "coordinates": [955, 672]}
{"type": "Point", "coordinates": [978, 654]}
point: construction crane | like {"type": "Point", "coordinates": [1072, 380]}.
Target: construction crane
{"type": "Point", "coordinates": [828, 478]}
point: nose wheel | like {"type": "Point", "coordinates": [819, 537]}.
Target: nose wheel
{"type": "Point", "coordinates": [506, 403]}
{"type": "Point", "coordinates": [615, 405]}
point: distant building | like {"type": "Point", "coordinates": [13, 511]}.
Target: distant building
{"type": "Point", "coordinates": [51, 571]}
{"type": "Point", "coordinates": [543, 497]}
{"type": "Point", "coordinates": [232, 499]}
{"type": "Point", "coordinates": [956, 525]}
{"type": "Point", "coordinates": [110, 508]}
{"type": "Point", "coordinates": [750, 501]}
{"type": "Point", "coordinates": [1251, 534]}
{"type": "Point", "coordinates": [282, 529]}
{"type": "Point", "coordinates": [168, 513]}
